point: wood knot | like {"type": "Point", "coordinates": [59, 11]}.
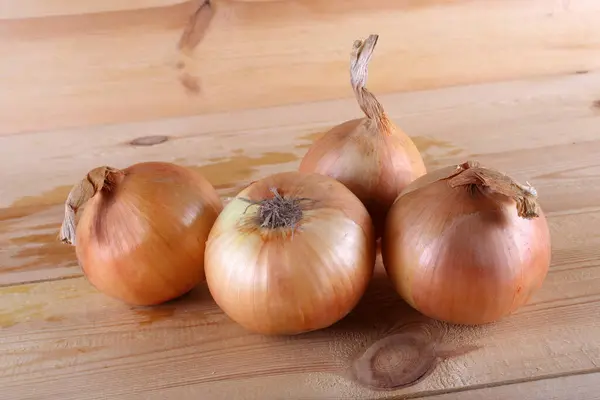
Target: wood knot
{"type": "Point", "coordinates": [410, 355]}
{"type": "Point", "coordinates": [399, 360]}
{"type": "Point", "coordinates": [149, 140]}
{"type": "Point", "coordinates": [190, 83]}
{"type": "Point", "coordinates": [196, 27]}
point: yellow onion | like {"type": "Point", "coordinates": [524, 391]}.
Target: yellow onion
{"type": "Point", "coordinates": [290, 253]}
{"type": "Point", "coordinates": [142, 234]}
{"type": "Point", "coordinates": [370, 155]}
{"type": "Point", "coordinates": [466, 244]}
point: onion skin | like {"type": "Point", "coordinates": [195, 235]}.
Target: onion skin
{"type": "Point", "coordinates": [371, 156]}
{"type": "Point", "coordinates": [141, 237]}
{"type": "Point", "coordinates": [466, 253]}
{"type": "Point", "coordinates": [289, 280]}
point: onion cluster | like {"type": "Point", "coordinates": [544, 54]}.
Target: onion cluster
{"type": "Point", "coordinates": [294, 252]}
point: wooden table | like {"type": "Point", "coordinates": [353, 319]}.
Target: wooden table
{"type": "Point", "coordinates": [515, 85]}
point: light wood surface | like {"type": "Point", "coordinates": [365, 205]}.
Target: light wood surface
{"type": "Point", "coordinates": [513, 84]}
{"type": "Point", "coordinates": [74, 63]}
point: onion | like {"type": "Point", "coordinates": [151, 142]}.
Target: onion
{"type": "Point", "coordinates": [370, 155]}
{"type": "Point", "coordinates": [142, 235]}
{"type": "Point", "coordinates": [466, 244]}
{"type": "Point", "coordinates": [291, 253]}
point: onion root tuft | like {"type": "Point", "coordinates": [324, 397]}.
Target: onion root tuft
{"type": "Point", "coordinates": [278, 211]}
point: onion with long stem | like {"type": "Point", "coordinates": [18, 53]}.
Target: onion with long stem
{"type": "Point", "coordinates": [291, 253]}
{"type": "Point", "coordinates": [370, 155]}
{"type": "Point", "coordinates": [466, 244]}
{"type": "Point", "coordinates": [142, 234]}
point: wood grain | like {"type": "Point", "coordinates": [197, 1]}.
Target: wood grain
{"type": "Point", "coordinates": [238, 89]}
{"type": "Point", "coordinates": [102, 347]}
{"type": "Point", "coordinates": [92, 62]}
{"type": "Point", "coordinates": [46, 8]}
{"type": "Point", "coordinates": [574, 387]}
{"type": "Point", "coordinates": [531, 130]}
{"type": "Point", "coordinates": [60, 338]}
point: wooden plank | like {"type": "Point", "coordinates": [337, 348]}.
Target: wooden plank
{"type": "Point", "coordinates": [475, 120]}
{"type": "Point", "coordinates": [530, 129]}
{"type": "Point", "coordinates": [575, 387]}
{"type": "Point", "coordinates": [61, 338]}
{"type": "Point", "coordinates": [46, 8]}
{"type": "Point", "coordinates": [63, 329]}
{"type": "Point", "coordinates": [74, 64]}
{"type": "Point", "coordinates": [92, 62]}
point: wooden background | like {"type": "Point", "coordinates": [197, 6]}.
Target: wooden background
{"type": "Point", "coordinates": [239, 89]}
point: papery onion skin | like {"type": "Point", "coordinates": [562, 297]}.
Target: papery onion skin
{"type": "Point", "coordinates": [141, 237]}
{"type": "Point", "coordinates": [289, 280]}
{"type": "Point", "coordinates": [371, 156]}
{"type": "Point", "coordinates": [463, 254]}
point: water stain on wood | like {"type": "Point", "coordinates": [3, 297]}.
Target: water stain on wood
{"type": "Point", "coordinates": [38, 251]}
{"type": "Point", "coordinates": [228, 174]}
{"type": "Point", "coordinates": [148, 316]}
{"type": "Point", "coordinates": [309, 139]}
{"type": "Point", "coordinates": [55, 318]}
{"type": "Point", "coordinates": [22, 313]}
{"type": "Point", "coordinates": [16, 289]}
{"type": "Point", "coordinates": [425, 144]}
{"type": "Point", "coordinates": [431, 149]}
{"type": "Point", "coordinates": [197, 307]}
{"type": "Point", "coordinates": [222, 172]}
{"type": "Point", "coordinates": [28, 206]}
{"type": "Point", "coordinates": [149, 140]}
{"type": "Point", "coordinates": [46, 199]}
